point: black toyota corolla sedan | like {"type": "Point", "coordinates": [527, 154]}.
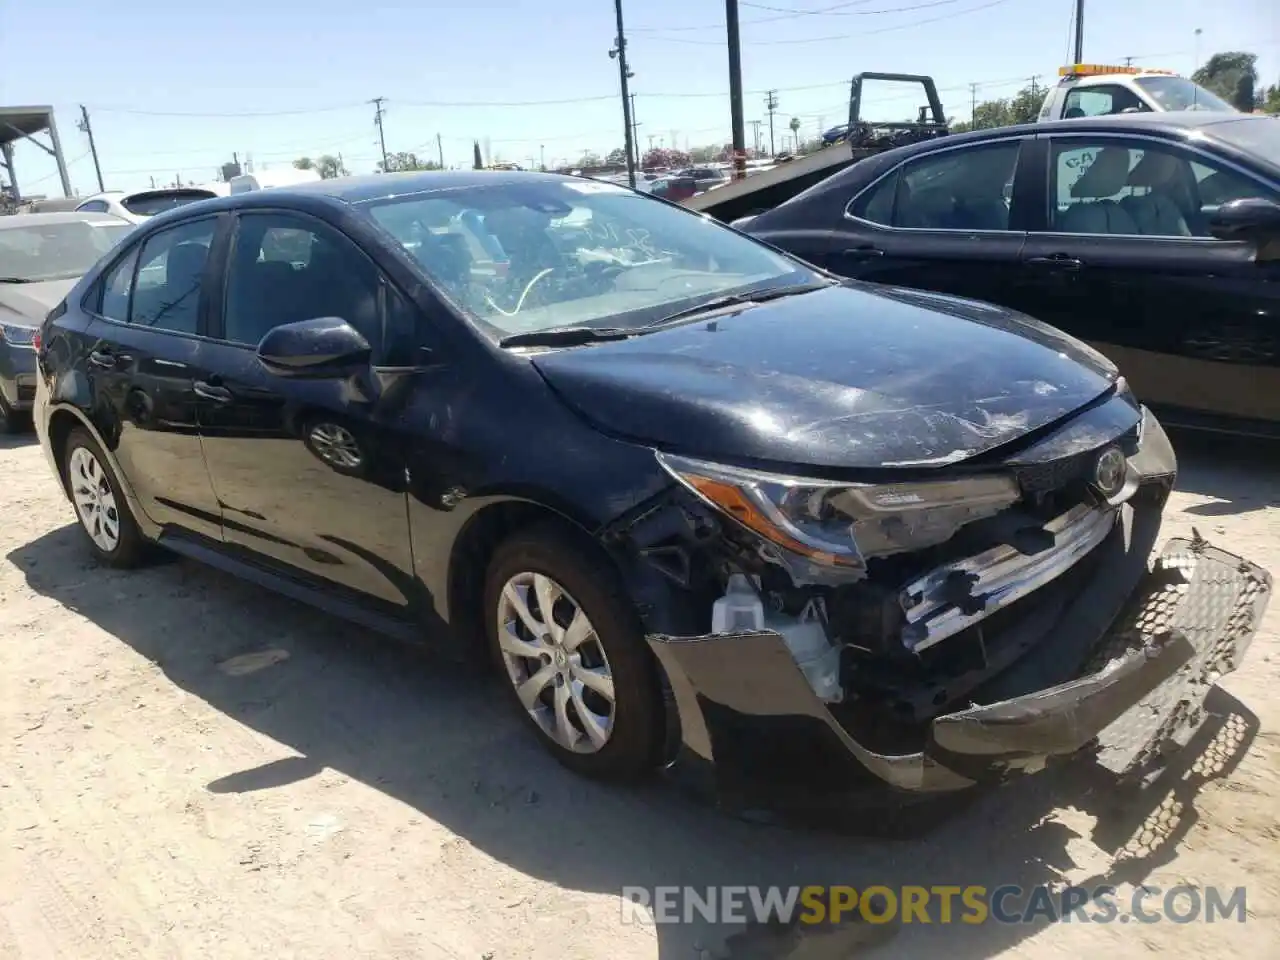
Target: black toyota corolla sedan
{"type": "Point", "coordinates": [1154, 237]}
{"type": "Point", "coordinates": [701, 505]}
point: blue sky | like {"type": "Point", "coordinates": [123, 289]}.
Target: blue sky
{"type": "Point", "coordinates": [174, 89]}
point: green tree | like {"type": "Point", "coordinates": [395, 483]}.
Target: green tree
{"type": "Point", "coordinates": [1270, 99]}
{"type": "Point", "coordinates": [617, 157]}
{"type": "Point", "coordinates": [1232, 75]}
{"type": "Point", "coordinates": [402, 162]}
{"type": "Point", "coordinates": [591, 159]}
{"type": "Point", "coordinates": [304, 163]}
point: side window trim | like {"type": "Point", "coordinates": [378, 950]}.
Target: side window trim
{"type": "Point", "coordinates": [1021, 140]}
{"type": "Point", "coordinates": [1125, 139]}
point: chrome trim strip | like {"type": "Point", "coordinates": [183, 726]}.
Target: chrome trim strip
{"type": "Point", "coordinates": [1003, 574]}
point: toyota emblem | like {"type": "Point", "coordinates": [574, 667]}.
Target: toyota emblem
{"type": "Point", "coordinates": [1109, 472]}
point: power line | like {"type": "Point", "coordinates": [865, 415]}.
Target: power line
{"type": "Point", "coordinates": [843, 36]}
{"type": "Point", "coordinates": [786, 13]}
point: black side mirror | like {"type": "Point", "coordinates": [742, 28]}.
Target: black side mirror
{"type": "Point", "coordinates": [323, 347]}
{"type": "Point", "coordinates": [1252, 219]}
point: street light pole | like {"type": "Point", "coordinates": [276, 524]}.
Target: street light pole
{"type": "Point", "coordinates": [619, 52]}
{"type": "Point", "coordinates": [735, 91]}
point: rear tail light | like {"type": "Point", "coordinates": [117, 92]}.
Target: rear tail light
{"type": "Point", "coordinates": [37, 339]}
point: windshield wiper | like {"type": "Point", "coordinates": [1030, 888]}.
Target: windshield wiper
{"type": "Point", "coordinates": [734, 299]}
{"type": "Point", "coordinates": [565, 336]}
{"type": "Point", "coordinates": [16, 280]}
{"type": "Point", "coordinates": [575, 336]}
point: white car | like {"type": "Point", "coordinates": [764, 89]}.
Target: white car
{"type": "Point", "coordinates": [141, 204]}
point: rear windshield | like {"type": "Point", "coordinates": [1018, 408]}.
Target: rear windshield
{"type": "Point", "coordinates": [149, 204]}
{"type": "Point", "coordinates": [1258, 135]}
{"type": "Point", "coordinates": [1179, 93]}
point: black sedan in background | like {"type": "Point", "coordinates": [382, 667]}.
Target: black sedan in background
{"type": "Point", "coordinates": [697, 500]}
{"type": "Point", "coordinates": [1153, 237]}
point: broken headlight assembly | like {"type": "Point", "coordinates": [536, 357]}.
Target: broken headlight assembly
{"type": "Point", "coordinates": [844, 524]}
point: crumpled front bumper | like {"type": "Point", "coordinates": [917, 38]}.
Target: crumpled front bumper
{"type": "Point", "coordinates": [754, 734]}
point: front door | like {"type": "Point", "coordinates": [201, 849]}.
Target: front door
{"type": "Point", "coordinates": [145, 357]}
{"type": "Point", "coordinates": [945, 221]}
{"type": "Point", "coordinates": [1127, 264]}
{"type": "Point", "coordinates": [309, 472]}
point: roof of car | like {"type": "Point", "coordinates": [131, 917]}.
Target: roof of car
{"type": "Point", "coordinates": [379, 186]}
{"type": "Point", "coordinates": [20, 220]}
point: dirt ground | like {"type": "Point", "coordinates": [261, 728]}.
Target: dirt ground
{"type": "Point", "coordinates": [192, 767]}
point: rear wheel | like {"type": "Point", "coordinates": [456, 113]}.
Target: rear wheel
{"type": "Point", "coordinates": [571, 650]}
{"type": "Point", "coordinates": [100, 504]}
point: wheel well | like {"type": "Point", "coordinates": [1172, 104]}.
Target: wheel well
{"type": "Point", "coordinates": [60, 426]}
{"type": "Point", "coordinates": [473, 551]}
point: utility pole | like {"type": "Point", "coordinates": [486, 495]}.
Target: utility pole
{"type": "Point", "coordinates": [771, 104]}
{"type": "Point", "coordinates": [635, 132]}
{"type": "Point", "coordinates": [382, 138]}
{"type": "Point", "coordinates": [619, 53]}
{"type": "Point", "coordinates": [93, 147]}
{"type": "Point", "coordinates": [755, 137]}
{"type": "Point", "coordinates": [1079, 42]}
{"type": "Point", "coordinates": [542, 156]}
{"type": "Point", "coordinates": [440, 150]}
{"type": "Point", "coordinates": [735, 90]}
{"type": "Point", "coordinates": [1128, 61]}
{"type": "Point", "coordinates": [973, 105]}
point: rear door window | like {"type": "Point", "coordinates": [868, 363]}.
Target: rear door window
{"type": "Point", "coordinates": [965, 189]}
{"type": "Point", "coordinates": [167, 291]}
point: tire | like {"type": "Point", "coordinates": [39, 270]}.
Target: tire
{"type": "Point", "coordinates": [615, 648]}
{"type": "Point", "coordinates": [99, 503]}
{"type": "Point", "coordinates": [11, 420]}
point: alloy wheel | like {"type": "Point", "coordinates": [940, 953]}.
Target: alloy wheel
{"type": "Point", "coordinates": [94, 500]}
{"type": "Point", "coordinates": [336, 445]}
{"type": "Point", "coordinates": [556, 663]}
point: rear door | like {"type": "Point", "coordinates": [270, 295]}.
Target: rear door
{"type": "Point", "coordinates": [1124, 260]}
{"type": "Point", "coordinates": [948, 220]}
{"type": "Point", "coordinates": [310, 473]}
{"type": "Point", "coordinates": [145, 357]}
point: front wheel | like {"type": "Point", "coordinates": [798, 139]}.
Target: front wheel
{"type": "Point", "coordinates": [571, 650]}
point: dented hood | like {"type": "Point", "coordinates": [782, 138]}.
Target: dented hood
{"type": "Point", "coordinates": [853, 376]}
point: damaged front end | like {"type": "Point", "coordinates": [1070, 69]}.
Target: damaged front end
{"type": "Point", "coordinates": [927, 635]}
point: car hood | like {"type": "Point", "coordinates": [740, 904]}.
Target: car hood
{"type": "Point", "coordinates": [31, 302]}
{"type": "Point", "coordinates": [852, 376]}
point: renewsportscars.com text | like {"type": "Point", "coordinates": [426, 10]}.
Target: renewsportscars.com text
{"type": "Point", "coordinates": [941, 904]}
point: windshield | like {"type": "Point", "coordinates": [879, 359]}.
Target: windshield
{"type": "Point", "coordinates": [521, 257]}
{"type": "Point", "coordinates": [55, 251]}
{"type": "Point", "coordinates": [1179, 93]}
{"type": "Point", "coordinates": [1257, 135]}
{"type": "Point", "coordinates": [150, 204]}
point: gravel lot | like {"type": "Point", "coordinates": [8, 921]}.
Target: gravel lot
{"type": "Point", "coordinates": [193, 767]}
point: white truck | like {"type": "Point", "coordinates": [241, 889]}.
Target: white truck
{"type": "Point", "coordinates": [1093, 90]}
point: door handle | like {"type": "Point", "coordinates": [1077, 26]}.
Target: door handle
{"type": "Point", "coordinates": [103, 358]}
{"type": "Point", "coordinates": [208, 391]}
{"type": "Point", "coordinates": [1060, 260]}
{"type": "Point", "coordinates": [862, 253]}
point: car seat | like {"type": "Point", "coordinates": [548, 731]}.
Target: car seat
{"type": "Point", "coordinates": [1157, 212]}
{"type": "Point", "coordinates": [1098, 213]}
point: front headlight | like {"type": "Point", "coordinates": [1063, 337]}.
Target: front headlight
{"type": "Point", "coordinates": [843, 523]}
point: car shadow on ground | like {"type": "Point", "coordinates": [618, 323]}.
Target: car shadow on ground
{"type": "Point", "coordinates": [13, 441]}
{"type": "Point", "coordinates": [1226, 468]}
{"type": "Point", "coordinates": [449, 746]}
